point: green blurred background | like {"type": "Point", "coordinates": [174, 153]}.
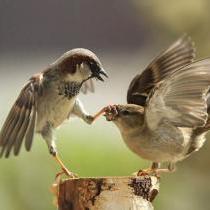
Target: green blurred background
{"type": "Point", "coordinates": [126, 35]}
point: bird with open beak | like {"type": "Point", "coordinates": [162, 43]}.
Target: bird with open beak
{"type": "Point", "coordinates": [168, 110]}
{"type": "Point", "coordinates": [48, 99]}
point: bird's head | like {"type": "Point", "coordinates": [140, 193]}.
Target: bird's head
{"type": "Point", "coordinates": [125, 116]}
{"type": "Point", "coordinates": [80, 65]}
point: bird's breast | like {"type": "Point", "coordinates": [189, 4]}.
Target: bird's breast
{"type": "Point", "coordinates": [53, 108]}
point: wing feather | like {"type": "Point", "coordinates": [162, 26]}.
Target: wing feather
{"type": "Point", "coordinates": [10, 122]}
{"type": "Point", "coordinates": [20, 136]}
{"type": "Point", "coordinates": [179, 54]}
{"type": "Point", "coordinates": [24, 127]}
{"type": "Point", "coordinates": [181, 99]}
{"type": "Point", "coordinates": [30, 132]}
{"type": "Point", "coordinates": [21, 116]}
{"type": "Point", "coordinates": [20, 122]}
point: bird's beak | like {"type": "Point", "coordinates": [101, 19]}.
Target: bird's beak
{"type": "Point", "coordinates": [99, 73]}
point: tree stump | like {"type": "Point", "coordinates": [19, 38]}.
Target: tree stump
{"type": "Point", "coordinates": [108, 193]}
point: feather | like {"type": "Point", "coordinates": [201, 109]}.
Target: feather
{"type": "Point", "coordinates": [21, 116]}
{"type": "Point", "coordinates": [179, 54]}
{"type": "Point", "coordinates": [30, 132]}
{"type": "Point", "coordinates": [181, 99]}
{"type": "Point", "coordinates": [21, 120]}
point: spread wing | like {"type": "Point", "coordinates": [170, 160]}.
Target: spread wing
{"type": "Point", "coordinates": [179, 54]}
{"type": "Point", "coordinates": [20, 123]}
{"type": "Point", "coordinates": [88, 86]}
{"type": "Point", "coordinates": [181, 99]}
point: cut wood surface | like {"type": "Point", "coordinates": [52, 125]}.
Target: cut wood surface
{"type": "Point", "coordinates": [108, 193]}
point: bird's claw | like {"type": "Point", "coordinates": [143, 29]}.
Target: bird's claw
{"type": "Point", "coordinates": [68, 173]}
{"type": "Point", "coordinates": [58, 180]}
{"type": "Point", "coordinates": [147, 172]}
{"type": "Point", "coordinates": [64, 169]}
{"type": "Point", "coordinates": [111, 112]}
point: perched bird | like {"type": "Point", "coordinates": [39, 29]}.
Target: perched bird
{"type": "Point", "coordinates": [168, 110]}
{"type": "Point", "coordinates": [48, 99]}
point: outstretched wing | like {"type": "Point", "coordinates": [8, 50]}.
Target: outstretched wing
{"type": "Point", "coordinates": [20, 123]}
{"type": "Point", "coordinates": [181, 99]}
{"type": "Point", "coordinates": [179, 54]}
{"type": "Point", "coordinates": [87, 86]}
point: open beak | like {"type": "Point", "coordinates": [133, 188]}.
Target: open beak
{"type": "Point", "coordinates": [99, 74]}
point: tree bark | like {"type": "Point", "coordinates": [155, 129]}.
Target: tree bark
{"type": "Point", "coordinates": [108, 193]}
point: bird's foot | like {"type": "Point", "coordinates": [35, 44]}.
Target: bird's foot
{"type": "Point", "coordinates": [64, 168]}
{"type": "Point", "coordinates": [67, 173]}
{"type": "Point", "coordinates": [152, 172]}
{"type": "Point", "coordinates": [58, 180]}
{"type": "Point", "coordinates": [111, 112]}
{"type": "Point", "coordinates": [147, 172]}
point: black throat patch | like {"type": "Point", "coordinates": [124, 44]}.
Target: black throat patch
{"type": "Point", "coordinates": [69, 89]}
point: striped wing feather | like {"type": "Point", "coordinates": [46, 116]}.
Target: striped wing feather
{"type": "Point", "coordinates": [181, 99]}
{"type": "Point", "coordinates": [179, 54]}
{"type": "Point", "coordinates": [20, 122]}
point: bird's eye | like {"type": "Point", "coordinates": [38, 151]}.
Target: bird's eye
{"type": "Point", "coordinates": [125, 112]}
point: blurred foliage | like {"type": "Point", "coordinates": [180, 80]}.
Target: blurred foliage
{"type": "Point", "coordinates": [167, 18]}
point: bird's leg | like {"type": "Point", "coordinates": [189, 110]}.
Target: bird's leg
{"type": "Point", "coordinates": [47, 134]}
{"type": "Point", "coordinates": [170, 169]}
{"type": "Point", "coordinates": [155, 169]}
{"type": "Point", "coordinates": [55, 155]}
{"type": "Point", "coordinates": [63, 167]}
{"type": "Point", "coordinates": [98, 114]}
{"type": "Point", "coordinates": [150, 171]}
{"type": "Point", "coordinates": [80, 112]}
{"type": "Point", "coordinates": [109, 111]}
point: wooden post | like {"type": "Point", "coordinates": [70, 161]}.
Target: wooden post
{"type": "Point", "coordinates": [108, 193]}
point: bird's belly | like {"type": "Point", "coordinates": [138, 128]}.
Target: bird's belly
{"type": "Point", "coordinates": [146, 151]}
{"type": "Point", "coordinates": [157, 149]}
{"type": "Point", "coordinates": [53, 109]}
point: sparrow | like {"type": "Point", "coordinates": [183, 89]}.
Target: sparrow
{"type": "Point", "coordinates": [168, 110]}
{"type": "Point", "coordinates": [48, 99]}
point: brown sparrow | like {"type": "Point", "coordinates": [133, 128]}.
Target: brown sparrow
{"type": "Point", "coordinates": [168, 110]}
{"type": "Point", "coordinates": [48, 99]}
